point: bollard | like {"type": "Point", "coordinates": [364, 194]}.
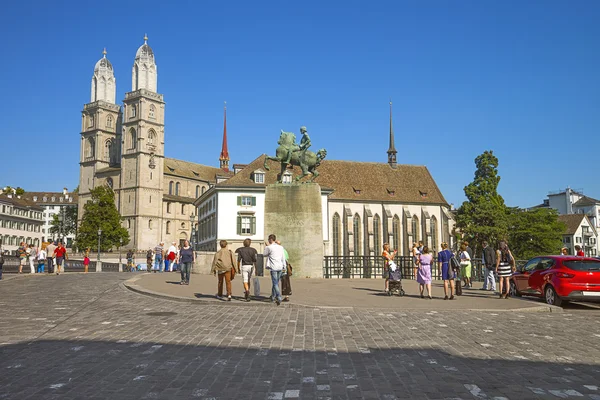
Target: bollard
{"type": "Point", "coordinates": [98, 266]}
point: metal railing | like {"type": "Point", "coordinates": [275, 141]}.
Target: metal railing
{"type": "Point", "coordinates": [11, 265]}
{"type": "Point", "coordinates": [371, 267]}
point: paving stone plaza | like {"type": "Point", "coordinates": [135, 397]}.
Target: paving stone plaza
{"type": "Point", "coordinates": [79, 336]}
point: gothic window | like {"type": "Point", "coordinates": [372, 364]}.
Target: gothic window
{"type": "Point", "coordinates": [133, 110]}
{"type": "Point", "coordinates": [183, 209]}
{"type": "Point", "coordinates": [335, 226]}
{"type": "Point", "coordinates": [169, 208]}
{"type": "Point", "coordinates": [107, 150]}
{"type": "Point", "coordinates": [197, 191]}
{"type": "Point", "coordinates": [376, 234]}
{"type": "Point", "coordinates": [396, 233]}
{"type": "Point", "coordinates": [168, 227]}
{"type": "Point", "coordinates": [91, 121]}
{"type": "Point", "coordinates": [132, 138]}
{"type": "Point", "coordinates": [434, 233]}
{"type": "Point", "coordinates": [150, 224]}
{"type": "Point", "coordinates": [90, 148]}
{"type": "Point", "coordinates": [177, 187]}
{"type": "Point", "coordinates": [356, 234]}
{"type": "Point", "coordinates": [415, 228]}
{"type": "Point", "coordinates": [203, 189]}
{"type": "Point", "coordinates": [128, 224]}
{"type": "Point", "coordinates": [152, 111]}
{"type": "Point", "coordinates": [109, 182]}
{"type": "Point", "coordinates": [109, 121]}
{"type": "Point", "coordinates": [151, 136]}
{"type": "Point", "coordinates": [171, 187]}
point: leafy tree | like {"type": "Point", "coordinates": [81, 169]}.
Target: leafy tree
{"type": "Point", "coordinates": [18, 191]}
{"type": "Point", "coordinates": [101, 212]}
{"type": "Point", "coordinates": [69, 225]}
{"type": "Point", "coordinates": [534, 233]}
{"type": "Point", "coordinates": [483, 217]}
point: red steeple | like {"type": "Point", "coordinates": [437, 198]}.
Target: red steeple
{"type": "Point", "coordinates": [224, 158]}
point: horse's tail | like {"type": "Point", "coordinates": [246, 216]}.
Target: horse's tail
{"type": "Point", "coordinates": [321, 154]}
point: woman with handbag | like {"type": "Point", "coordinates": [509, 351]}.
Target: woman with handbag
{"type": "Point", "coordinates": [446, 271]}
{"type": "Point", "coordinates": [465, 266]}
{"type": "Point", "coordinates": [505, 266]}
{"type": "Point", "coordinates": [224, 267]}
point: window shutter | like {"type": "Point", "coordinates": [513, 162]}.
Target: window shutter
{"type": "Point", "coordinates": [253, 225]}
{"type": "Point", "coordinates": [253, 201]}
{"type": "Point", "coordinates": [239, 224]}
{"type": "Point", "coordinates": [239, 201]}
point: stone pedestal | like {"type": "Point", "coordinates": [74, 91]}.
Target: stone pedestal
{"type": "Point", "coordinates": [293, 212]}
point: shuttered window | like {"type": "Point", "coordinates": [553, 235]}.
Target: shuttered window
{"type": "Point", "coordinates": [246, 201]}
{"type": "Point", "coordinates": [246, 225]}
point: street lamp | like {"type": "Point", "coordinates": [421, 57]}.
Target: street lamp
{"type": "Point", "coordinates": [120, 263]}
{"type": "Point", "coordinates": [192, 220]}
{"type": "Point", "coordinates": [99, 235]}
{"type": "Point", "coordinates": [60, 225]}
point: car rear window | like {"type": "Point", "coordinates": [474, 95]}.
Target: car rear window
{"type": "Point", "coordinates": [583, 265]}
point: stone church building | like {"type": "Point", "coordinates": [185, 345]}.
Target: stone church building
{"type": "Point", "coordinates": [122, 146]}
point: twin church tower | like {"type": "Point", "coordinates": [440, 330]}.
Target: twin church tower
{"type": "Point", "coordinates": [123, 147]}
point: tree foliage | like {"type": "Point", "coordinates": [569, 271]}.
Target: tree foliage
{"type": "Point", "coordinates": [101, 213]}
{"type": "Point", "coordinates": [483, 217]}
{"type": "Point", "coordinates": [534, 233]}
{"type": "Point", "coordinates": [17, 191]}
{"type": "Point", "coordinates": [69, 225]}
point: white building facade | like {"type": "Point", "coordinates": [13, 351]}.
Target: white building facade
{"type": "Point", "coordinates": [580, 232]}
{"type": "Point", "coordinates": [20, 221]}
{"type": "Point", "coordinates": [54, 203]}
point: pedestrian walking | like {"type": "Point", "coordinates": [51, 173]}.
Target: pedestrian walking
{"type": "Point", "coordinates": [224, 268]}
{"type": "Point", "coordinates": [446, 271]}
{"type": "Point", "coordinates": [424, 272]}
{"type": "Point", "coordinates": [389, 257]}
{"type": "Point", "coordinates": [170, 256]}
{"type": "Point", "coordinates": [564, 251]}
{"type": "Point", "coordinates": [415, 256]}
{"type": "Point", "coordinates": [158, 257]}
{"type": "Point", "coordinates": [41, 261]}
{"type": "Point", "coordinates": [465, 266]}
{"type": "Point", "coordinates": [505, 266]}
{"type": "Point", "coordinates": [489, 263]}
{"type": "Point", "coordinates": [149, 256]}
{"type": "Point", "coordinates": [32, 256]}
{"type": "Point", "coordinates": [61, 255]}
{"type": "Point", "coordinates": [579, 251]}
{"type": "Point", "coordinates": [275, 262]}
{"type": "Point", "coordinates": [286, 285]}
{"type": "Point", "coordinates": [86, 263]}
{"type": "Point", "coordinates": [1, 259]}
{"type": "Point", "coordinates": [246, 259]}
{"type": "Point", "coordinates": [130, 260]}
{"type": "Point", "coordinates": [22, 254]}
{"type": "Point", "coordinates": [50, 249]}
{"type": "Point", "coordinates": [186, 260]}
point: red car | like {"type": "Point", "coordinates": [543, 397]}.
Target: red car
{"type": "Point", "coordinates": [558, 279]}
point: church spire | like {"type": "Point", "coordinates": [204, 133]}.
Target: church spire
{"type": "Point", "coordinates": [392, 149]}
{"type": "Point", "coordinates": [224, 158]}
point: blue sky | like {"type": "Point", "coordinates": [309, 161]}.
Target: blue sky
{"type": "Point", "coordinates": [520, 78]}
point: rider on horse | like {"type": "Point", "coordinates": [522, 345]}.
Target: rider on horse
{"type": "Point", "coordinates": [304, 145]}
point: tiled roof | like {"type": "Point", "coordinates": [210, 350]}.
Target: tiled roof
{"type": "Point", "coordinates": [357, 181]}
{"type": "Point", "coordinates": [191, 170]}
{"type": "Point", "coordinates": [586, 201]}
{"type": "Point", "coordinates": [572, 221]}
{"type": "Point", "coordinates": [20, 202]}
{"type": "Point", "coordinates": [48, 195]}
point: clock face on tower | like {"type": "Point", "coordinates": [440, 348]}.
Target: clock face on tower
{"type": "Point", "coordinates": [109, 182]}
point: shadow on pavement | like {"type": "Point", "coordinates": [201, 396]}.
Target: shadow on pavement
{"type": "Point", "coordinates": [240, 368]}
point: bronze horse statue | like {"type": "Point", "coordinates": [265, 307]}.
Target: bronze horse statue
{"type": "Point", "coordinates": [307, 160]}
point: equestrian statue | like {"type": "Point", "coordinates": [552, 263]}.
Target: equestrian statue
{"type": "Point", "coordinates": [291, 153]}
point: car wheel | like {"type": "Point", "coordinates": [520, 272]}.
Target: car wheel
{"type": "Point", "coordinates": [551, 297]}
{"type": "Point", "coordinates": [513, 290]}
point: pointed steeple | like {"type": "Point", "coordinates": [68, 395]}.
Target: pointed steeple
{"type": "Point", "coordinates": [224, 158]}
{"type": "Point", "coordinates": [392, 149]}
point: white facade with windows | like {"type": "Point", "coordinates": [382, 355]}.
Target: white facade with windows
{"type": "Point", "coordinates": [580, 231]}
{"type": "Point", "coordinates": [20, 221]}
{"type": "Point", "coordinates": [54, 203]}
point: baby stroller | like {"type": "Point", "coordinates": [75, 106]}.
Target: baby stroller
{"type": "Point", "coordinates": [395, 280]}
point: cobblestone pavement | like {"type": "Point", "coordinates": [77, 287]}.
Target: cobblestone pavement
{"type": "Point", "coordinates": [86, 337]}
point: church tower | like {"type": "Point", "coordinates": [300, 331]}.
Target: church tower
{"type": "Point", "coordinates": [99, 131]}
{"type": "Point", "coordinates": [142, 159]}
{"type": "Point", "coordinates": [392, 149]}
{"type": "Point", "coordinates": [224, 157]}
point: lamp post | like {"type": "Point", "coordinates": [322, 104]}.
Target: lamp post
{"type": "Point", "coordinates": [60, 225]}
{"type": "Point", "coordinates": [99, 235]}
{"type": "Point", "coordinates": [120, 263]}
{"type": "Point", "coordinates": [192, 220]}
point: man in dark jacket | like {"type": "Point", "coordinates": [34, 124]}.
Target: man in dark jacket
{"type": "Point", "coordinates": [489, 261]}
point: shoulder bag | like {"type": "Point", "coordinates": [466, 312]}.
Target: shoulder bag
{"type": "Point", "coordinates": [233, 270]}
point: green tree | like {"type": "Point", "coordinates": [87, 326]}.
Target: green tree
{"type": "Point", "coordinates": [483, 217]}
{"type": "Point", "coordinates": [101, 213]}
{"type": "Point", "coordinates": [18, 191]}
{"type": "Point", "coordinates": [69, 225]}
{"type": "Point", "coordinates": [534, 233]}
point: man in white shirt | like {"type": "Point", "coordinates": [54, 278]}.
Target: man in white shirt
{"type": "Point", "coordinates": [172, 257]}
{"type": "Point", "coordinates": [275, 262]}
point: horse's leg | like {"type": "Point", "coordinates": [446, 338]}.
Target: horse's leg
{"type": "Point", "coordinates": [314, 173]}
{"type": "Point", "coordinates": [270, 158]}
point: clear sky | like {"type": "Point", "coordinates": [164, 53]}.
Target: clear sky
{"type": "Point", "coordinates": [519, 77]}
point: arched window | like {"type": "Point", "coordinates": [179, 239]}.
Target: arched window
{"type": "Point", "coordinates": [203, 189]}
{"type": "Point", "coordinates": [197, 191]}
{"type": "Point", "coordinates": [376, 235]}
{"type": "Point", "coordinates": [434, 235]}
{"type": "Point", "coordinates": [107, 150]}
{"type": "Point", "coordinates": [149, 224]}
{"type": "Point", "coordinates": [151, 136]}
{"type": "Point", "coordinates": [356, 234]}
{"type": "Point", "coordinates": [109, 121]}
{"type": "Point", "coordinates": [128, 224]}
{"type": "Point", "coordinates": [90, 148]}
{"type": "Point", "coordinates": [171, 187]}
{"type": "Point", "coordinates": [133, 110]}
{"type": "Point", "coordinates": [132, 138]}
{"type": "Point", "coordinates": [335, 237]}
{"type": "Point", "coordinates": [396, 233]}
{"type": "Point", "coordinates": [415, 228]}
{"type": "Point", "coordinates": [168, 227]}
{"type": "Point", "coordinates": [177, 187]}
{"type": "Point", "coordinates": [169, 208]}
{"type": "Point", "coordinates": [151, 111]}
{"type": "Point", "coordinates": [183, 209]}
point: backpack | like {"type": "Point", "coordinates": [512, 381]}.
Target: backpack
{"type": "Point", "coordinates": [453, 263]}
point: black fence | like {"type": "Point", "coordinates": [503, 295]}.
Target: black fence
{"type": "Point", "coordinates": [370, 267]}
{"type": "Point", "coordinates": [11, 265]}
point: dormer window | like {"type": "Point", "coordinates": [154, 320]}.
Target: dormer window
{"type": "Point", "coordinates": [45, 199]}
{"type": "Point", "coordinates": [391, 192]}
{"type": "Point", "coordinates": [356, 190]}
{"type": "Point", "coordinates": [171, 169]}
{"type": "Point", "coordinates": [259, 176]}
{"type": "Point", "coordinates": [34, 198]}
{"type": "Point", "coordinates": [53, 199]}
{"type": "Point", "coordinates": [287, 177]}
{"type": "Point", "coordinates": [61, 199]}
{"type": "Point", "coordinates": [423, 194]}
